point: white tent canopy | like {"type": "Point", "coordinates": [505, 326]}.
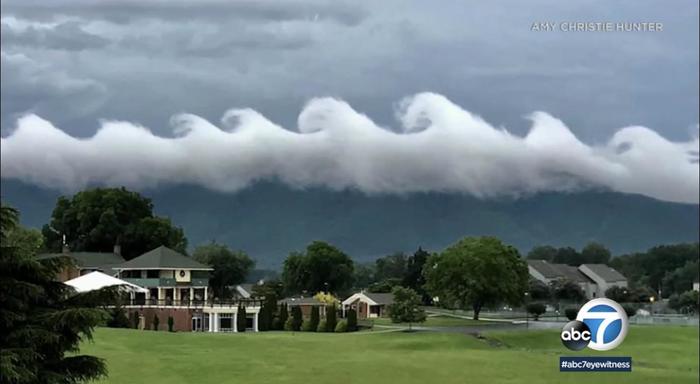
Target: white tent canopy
{"type": "Point", "coordinates": [97, 280]}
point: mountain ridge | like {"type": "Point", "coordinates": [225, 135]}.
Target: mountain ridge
{"type": "Point", "coordinates": [268, 220]}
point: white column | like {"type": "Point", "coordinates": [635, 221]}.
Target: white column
{"type": "Point", "coordinates": [211, 322]}
{"type": "Point", "coordinates": [206, 297]}
{"type": "Point", "coordinates": [235, 321]}
{"type": "Point", "coordinates": [216, 322]}
{"type": "Point", "coordinates": [191, 295]}
{"type": "Point", "coordinates": [255, 322]}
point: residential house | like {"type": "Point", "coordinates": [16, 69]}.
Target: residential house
{"type": "Point", "coordinates": [604, 276]}
{"type": "Point", "coordinates": [306, 304]}
{"type": "Point", "coordinates": [368, 305]}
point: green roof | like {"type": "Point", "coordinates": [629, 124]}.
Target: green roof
{"type": "Point", "coordinates": [162, 258]}
{"type": "Point", "coordinates": [88, 260]}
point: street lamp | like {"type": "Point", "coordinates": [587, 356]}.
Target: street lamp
{"type": "Point", "coordinates": [651, 305]}
{"type": "Point", "coordinates": [527, 315]}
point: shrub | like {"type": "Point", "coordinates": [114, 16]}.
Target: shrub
{"type": "Point", "coordinates": [315, 318]}
{"type": "Point", "coordinates": [118, 318]}
{"type": "Point", "coordinates": [630, 310]}
{"type": "Point", "coordinates": [321, 326]}
{"type": "Point", "coordinates": [135, 317]}
{"type": "Point", "coordinates": [283, 315]}
{"type": "Point", "coordinates": [277, 324]}
{"type": "Point", "coordinates": [156, 322]}
{"type": "Point", "coordinates": [306, 326]}
{"type": "Point", "coordinates": [342, 326]}
{"type": "Point", "coordinates": [352, 320]}
{"type": "Point", "coordinates": [240, 319]}
{"type": "Point", "coordinates": [330, 318]}
{"type": "Point", "coordinates": [296, 318]}
{"type": "Point", "coordinates": [289, 324]}
{"type": "Point", "coordinates": [171, 323]}
{"type": "Point", "coordinates": [536, 310]}
{"type": "Point", "coordinates": [571, 313]}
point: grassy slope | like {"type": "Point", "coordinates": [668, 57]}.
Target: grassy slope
{"type": "Point", "coordinates": [436, 321]}
{"type": "Point", "coordinates": [660, 355]}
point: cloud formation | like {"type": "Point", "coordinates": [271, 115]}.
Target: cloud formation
{"type": "Point", "coordinates": [438, 147]}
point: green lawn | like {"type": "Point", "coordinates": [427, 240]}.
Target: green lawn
{"type": "Point", "coordinates": [434, 321]}
{"type": "Point", "coordinates": [660, 355]}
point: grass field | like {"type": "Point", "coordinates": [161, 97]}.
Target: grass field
{"type": "Point", "coordinates": [435, 321]}
{"type": "Point", "coordinates": [659, 354]}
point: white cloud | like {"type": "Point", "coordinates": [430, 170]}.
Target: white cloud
{"type": "Point", "coordinates": [439, 147]}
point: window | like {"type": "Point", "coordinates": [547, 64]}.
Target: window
{"type": "Point", "coordinates": [226, 322]}
{"type": "Point", "coordinates": [153, 274]}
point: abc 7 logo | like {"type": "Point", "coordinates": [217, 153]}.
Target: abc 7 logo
{"type": "Point", "coordinates": [601, 324]}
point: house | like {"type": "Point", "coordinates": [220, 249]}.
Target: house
{"type": "Point", "coordinates": [594, 279]}
{"type": "Point", "coordinates": [86, 262]}
{"type": "Point", "coordinates": [178, 286]}
{"type": "Point", "coordinates": [368, 305]}
{"type": "Point", "coordinates": [306, 304]}
{"type": "Point", "coordinates": [243, 291]}
{"type": "Point", "coordinates": [546, 272]}
{"type": "Point", "coordinates": [605, 277]}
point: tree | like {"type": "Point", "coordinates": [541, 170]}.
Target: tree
{"type": "Point", "coordinates": [156, 322]}
{"type": "Point", "coordinates": [297, 318]}
{"type": "Point", "coordinates": [476, 272]}
{"type": "Point", "coordinates": [539, 290]}
{"type": "Point", "coordinates": [414, 278]}
{"type": "Point", "coordinates": [230, 268]}
{"type": "Point", "coordinates": [536, 310]}
{"type": "Point", "coordinates": [567, 255]}
{"type": "Point", "coordinates": [384, 286]}
{"type": "Point", "coordinates": [331, 318]}
{"type": "Point", "coordinates": [314, 318]}
{"type": "Point", "coordinates": [680, 279]}
{"type": "Point", "coordinates": [595, 253]}
{"type": "Point", "coordinates": [118, 318]}
{"type": "Point", "coordinates": [241, 321]}
{"type": "Point", "coordinates": [391, 267]}
{"type": "Point", "coordinates": [341, 327]}
{"type": "Point", "coordinates": [542, 252]}
{"type": "Point", "coordinates": [352, 320]}
{"type": "Point", "coordinates": [687, 302]}
{"type": "Point", "coordinates": [406, 307]}
{"type": "Point", "coordinates": [97, 219]}
{"type": "Point", "coordinates": [563, 289]}
{"type": "Point", "coordinates": [282, 317]}
{"type": "Point", "coordinates": [363, 275]}
{"type": "Point", "coordinates": [43, 321]}
{"type": "Point", "coordinates": [29, 240]}
{"type": "Point", "coordinates": [171, 323]}
{"type": "Point", "coordinates": [322, 267]}
{"type": "Point", "coordinates": [619, 294]}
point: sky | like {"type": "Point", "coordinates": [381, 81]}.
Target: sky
{"type": "Point", "coordinates": [390, 96]}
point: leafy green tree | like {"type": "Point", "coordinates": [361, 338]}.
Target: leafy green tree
{"type": "Point", "coordinates": [391, 267]}
{"type": "Point", "coordinates": [297, 318]}
{"type": "Point", "coordinates": [43, 322]}
{"type": "Point", "coordinates": [687, 302]}
{"type": "Point", "coordinates": [241, 321]}
{"type": "Point", "coordinates": [595, 253]}
{"type": "Point", "coordinates": [97, 219]}
{"type": "Point", "coordinates": [230, 268]}
{"type": "Point", "coordinates": [283, 315]}
{"type": "Point", "coordinates": [352, 320]}
{"type": "Point", "coordinates": [29, 240]}
{"type": "Point", "coordinates": [331, 318]}
{"type": "Point", "coordinates": [571, 313]}
{"type": "Point", "coordinates": [680, 279]}
{"type": "Point", "coordinates": [156, 322]}
{"type": "Point", "coordinates": [619, 294]}
{"type": "Point", "coordinates": [536, 310]}
{"type": "Point", "coordinates": [171, 323]}
{"type": "Point", "coordinates": [322, 326]}
{"type": "Point", "coordinates": [414, 277]}
{"type": "Point", "coordinates": [567, 255]}
{"type": "Point", "coordinates": [363, 275]}
{"type": "Point", "coordinates": [406, 307]}
{"type": "Point", "coordinates": [563, 289]}
{"type": "Point", "coordinates": [314, 318]}
{"type": "Point", "coordinates": [289, 325]}
{"type": "Point", "coordinates": [384, 286]}
{"type": "Point", "coordinates": [322, 268]}
{"type": "Point", "coordinates": [476, 272]}
{"type": "Point", "coordinates": [539, 290]}
{"type": "Point", "coordinates": [341, 327]}
{"type": "Point", "coordinates": [542, 252]}
{"type": "Point", "coordinates": [118, 318]}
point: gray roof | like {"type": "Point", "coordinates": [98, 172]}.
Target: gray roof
{"type": "Point", "coordinates": [605, 272]}
{"type": "Point", "coordinates": [291, 301]}
{"type": "Point", "coordinates": [89, 260]}
{"type": "Point", "coordinates": [162, 258]}
{"type": "Point", "coordinates": [558, 271]}
{"type": "Point", "coordinates": [381, 298]}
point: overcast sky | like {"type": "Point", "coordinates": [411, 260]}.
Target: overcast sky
{"type": "Point", "coordinates": [75, 63]}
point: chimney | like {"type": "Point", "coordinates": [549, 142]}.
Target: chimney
{"type": "Point", "coordinates": [117, 249]}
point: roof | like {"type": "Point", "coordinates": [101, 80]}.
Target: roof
{"type": "Point", "coordinates": [88, 260]}
{"type": "Point", "coordinates": [98, 280]}
{"type": "Point", "coordinates": [558, 271]}
{"type": "Point", "coordinates": [605, 272]}
{"type": "Point", "coordinates": [163, 258]}
{"type": "Point", "coordinates": [372, 298]}
{"type": "Point", "coordinates": [300, 301]}
{"type": "Point", "coordinates": [245, 290]}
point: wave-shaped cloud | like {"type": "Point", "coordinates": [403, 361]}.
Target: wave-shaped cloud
{"type": "Point", "coordinates": [439, 147]}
